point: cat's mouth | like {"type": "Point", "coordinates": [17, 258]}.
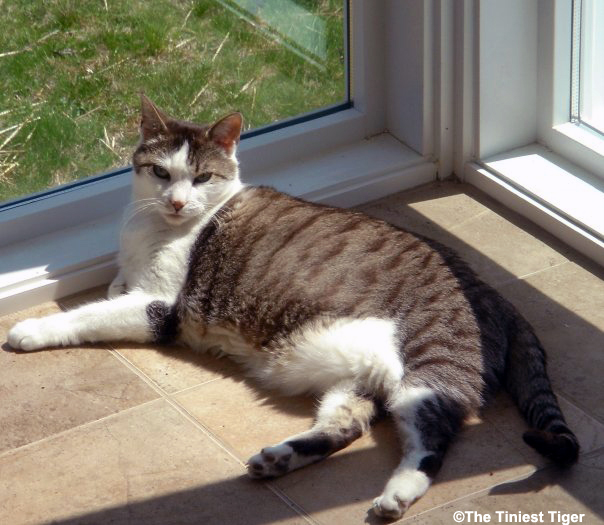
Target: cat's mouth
{"type": "Point", "coordinates": [175, 217]}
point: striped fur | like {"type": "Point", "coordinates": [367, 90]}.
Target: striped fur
{"type": "Point", "coordinates": [311, 298]}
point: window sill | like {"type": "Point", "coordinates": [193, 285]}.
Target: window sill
{"type": "Point", "coordinates": [74, 258]}
{"type": "Point", "coordinates": [561, 197]}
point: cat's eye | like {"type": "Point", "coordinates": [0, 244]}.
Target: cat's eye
{"type": "Point", "coordinates": [160, 172]}
{"type": "Point", "coordinates": [204, 177]}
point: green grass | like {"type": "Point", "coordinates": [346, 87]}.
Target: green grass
{"type": "Point", "coordinates": [71, 72]}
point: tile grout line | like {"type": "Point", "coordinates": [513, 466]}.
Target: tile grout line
{"type": "Point", "coordinates": [203, 383]}
{"type": "Point", "coordinates": [209, 434]}
{"type": "Point", "coordinates": [173, 403]}
{"type": "Point", "coordinates": [593, 453]}
{"type": "Point", "coordinates": [85, 425]}
{"type": "Point", "coordinates": [506, 282]}
{"type": "Point", "coordinates": [468, 496]}
{"type": "Point", "coordinates": [577, 407]}
{"type": "Point", "coordinates": [164, 396]}
{"type": "Point", "coordinates": [226, 448]}
{"type": "Point", "coordinates": [290, 503]}
{"type": "Point", "coordinates": [182, 411]}
{"type": "Point", "coordinates": [144, 377]}
{"type": "Point", "coordinates": [169, 398]}
{"type": "Point", "coordinates": [147, 379]}
{"type": "Point", "coordinates": [141, 375]}
{"type": "Point", "coordinates": [466, 221]}
{"type": "Point", "coordinates": [190, 388]}
{"type": "Point", "coordinates": [536, 272]}
{"type": "Point", "coordinates": [530, 274]}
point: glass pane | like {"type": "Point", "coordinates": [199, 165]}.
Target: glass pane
{"type": "Point", "coordinates": [71, 72]}
{"type": "Point", "coordinates": [587, 89]}
{"type": "Point", "coordinates": [592, 64]}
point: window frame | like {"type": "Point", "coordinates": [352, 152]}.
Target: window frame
{"type": "Point", "coordinates": [398, 146]}
{"type": "Point", "coordinates": [520, 73]}
{"type": "Point", "coordinates": [578, 143]}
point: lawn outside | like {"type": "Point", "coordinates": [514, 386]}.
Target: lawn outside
{"type": "Point", "coordinates": [71, 73]}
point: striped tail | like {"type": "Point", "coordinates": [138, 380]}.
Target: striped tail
{"type": "Point", "coordinates": [527, 382]}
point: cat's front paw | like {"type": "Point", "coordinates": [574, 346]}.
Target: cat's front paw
{"type": "Point", "coordinates": [271, 462]}
{"type": "Point", "coordinates": [28, 335]}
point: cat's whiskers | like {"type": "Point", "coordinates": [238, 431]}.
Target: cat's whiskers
{"type": "Point", "coordinates": [139, 206]}
{"type": "Point", "coordinates": [135, 213]}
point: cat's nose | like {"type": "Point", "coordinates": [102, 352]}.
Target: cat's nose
{"type": "Point", "coordinates": [177, 205]}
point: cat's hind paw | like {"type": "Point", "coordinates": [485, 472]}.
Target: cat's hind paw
{"type": "Point", "coordinates": [271, 462]}
{"type": "Point", "coordinates": [28, 335]}
{"type": "Point", "coordinates": [405, 487]}
{"type": "Point", "coordinates": [390, 508]}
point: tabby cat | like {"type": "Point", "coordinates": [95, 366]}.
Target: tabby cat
{"type": "Point", "coordinates": [311, 299]}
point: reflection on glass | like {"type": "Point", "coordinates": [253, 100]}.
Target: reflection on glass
{"type": "Point", "coordinates": [588, 71]}
{"type": "Point", "coordinates": [301, 30]}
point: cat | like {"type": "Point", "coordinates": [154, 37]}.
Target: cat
{"type": "Point", "coordinates": [311, 299]}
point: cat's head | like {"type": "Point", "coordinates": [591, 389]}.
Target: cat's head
{"type": "Point", "coordinates": [181, 170]}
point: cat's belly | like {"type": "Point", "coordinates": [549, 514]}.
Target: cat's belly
{"type": "Point", "coordinates": [316, 356]}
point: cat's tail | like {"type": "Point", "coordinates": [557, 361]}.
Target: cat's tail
{"type": "Point", "coordinates": [527, 382]}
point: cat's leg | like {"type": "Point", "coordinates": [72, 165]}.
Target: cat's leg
{"type": "Point", "coordinates": [427, 421]}
{"type": "Point", "coordinates": [132, 317]}
{"type": "Point", "coordinates": [343, 416]}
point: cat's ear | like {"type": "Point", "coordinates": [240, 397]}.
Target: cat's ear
{"type": "Point", "coordinates": [153, 120]}
{"type": "Point", "coordinates": [225, 133]}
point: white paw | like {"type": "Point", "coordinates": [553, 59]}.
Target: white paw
{"type": "Point", "coordinates": [271, 462]}
{"type": "Point", "coordinates": [28, 335]}
{"type": "Point", "coordinates": [401, 491]}
{"type": "Point", "coordinates": [390, 507]}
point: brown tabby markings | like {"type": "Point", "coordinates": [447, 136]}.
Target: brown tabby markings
{"type": "Point", "coordinates": [269, 265]}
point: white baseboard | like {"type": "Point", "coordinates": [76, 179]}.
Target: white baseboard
{"type": "Point", "coordinates": [80, 257]}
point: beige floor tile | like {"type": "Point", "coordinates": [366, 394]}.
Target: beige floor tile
{"type": "Point", "coordinates": [147, 466]}
{"type": "Point", "coordinates": [577, 288]}
{"type": "Point", "coordinates": [247, 418]}
{"type": "Point", "coordinates": [497, 243]}
{"type": "Point", "coordinates": [174, 368]}
{"type": "Point", "coordinates": [341, 489]}
{"type": "Point", "coordinates": [429, 210]}
{"type": "Point", "coordinates": [566, 307]}
{"type": "Point", "coordinates": [576, 491]}
{"type": "Point", "coordinates": [500, 251]}
{"type": "Point", "coordinates": [443, 204]}
{"type": "Point", "coordinates": [53, 390]}
{"type": "Point", "coordinates": [506, 418]}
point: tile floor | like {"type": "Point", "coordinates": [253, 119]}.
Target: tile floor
{"type": "Point", "coordinates": [125, 434]}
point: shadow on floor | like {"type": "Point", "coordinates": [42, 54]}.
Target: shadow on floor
{"type": "Point", "coordinates": [215, 503]}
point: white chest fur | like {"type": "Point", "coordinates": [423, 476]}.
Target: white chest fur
{"type": "Point", "coordinates": [154, 255]}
